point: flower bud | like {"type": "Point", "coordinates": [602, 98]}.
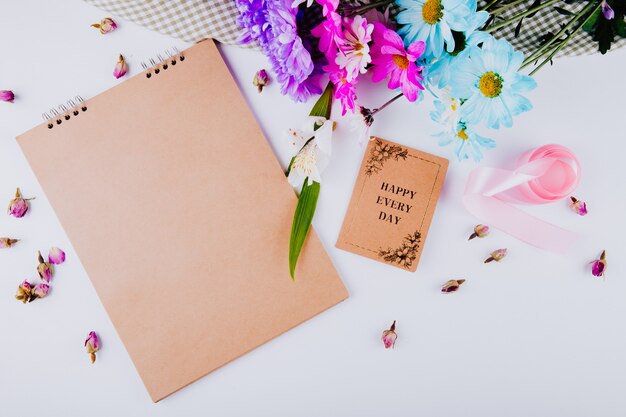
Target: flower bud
{"type": "Point", "coordinates": [106, 25]}
{"type": "Point", "coordinates": [579, 207]}
{"type": "Point", "coordinates": [120, 68]}
{"type": "Point", "coordinates": [497, 255]}
{"type": "Point", "coordinates": [92, 344]}
{"type": "Point", "coordinates": [261, 79]}
{"type": "Point", "coordinates": [452, 286]}
{"type": "Point", "coordinates": [24, 292]}
{"type": "Point", "coordinates": [44, 269]}
{"type": "Point", "coordinates": [40, 291]}
{"type": "Point", "coordinates": [19, 205]}
{"type": "Point", "coordinates": [480, 231]}
{"type": "Point", "coordinates": [598, 267]}
{"type": "Point", "coordinates": [389, 336]}
{"type": "Point", "coordinates": [7, 242]}
{"type": "Point", "coordinates": [7, 95]}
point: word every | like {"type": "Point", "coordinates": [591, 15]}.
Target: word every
{"type": "Point", "coordinates": [394, 204]}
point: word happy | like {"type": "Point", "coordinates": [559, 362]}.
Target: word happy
{"type": "Point", "coordinates": [394, 203]}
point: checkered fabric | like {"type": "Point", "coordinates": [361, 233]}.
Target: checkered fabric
{"type": "Point", "coordinates": [195, 20]}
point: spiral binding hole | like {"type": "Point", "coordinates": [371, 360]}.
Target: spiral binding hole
{"type": "Point", "coordinates": [50, 125]}
{"type": "Point", "coordinates": [67, 117]}
{"type": "Point", "coordinates": [165, 66]}
{"type": "Point", "coordinates": [84, 108]}
{"type": "Point", "coordinates": [75, 113]}
{"type": "Point", "coordinates": [181, 58]}
{"type": "Point", "coordinates": [148, 75]}
{"type": "Point", "coordinates": [173, 62]}
{"type": "Point", "coordinates": [156, 70]}
{"type": "Point", "coordinates": [59, 121]}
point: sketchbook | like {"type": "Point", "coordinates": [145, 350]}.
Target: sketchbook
{"type": "Point", "coordinates": [181, 216]}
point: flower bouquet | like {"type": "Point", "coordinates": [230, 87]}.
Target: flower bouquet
{"type": "Point", "coordinates": [450, 49]}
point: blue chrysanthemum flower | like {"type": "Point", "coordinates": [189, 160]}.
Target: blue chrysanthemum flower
{"type": "Point", "coordinates": [490, 84]}
{"type": "Point", "coordinates": [433, 21]}
{"type": "Point", "coordinates": [467, 143]}
{"type": "Point", "coordinates": [439, 72]}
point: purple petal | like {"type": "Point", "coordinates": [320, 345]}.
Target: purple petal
{"type": "Point", "coordinates": [607, 11]}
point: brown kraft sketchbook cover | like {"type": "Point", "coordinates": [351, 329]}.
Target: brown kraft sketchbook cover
{"type": "Point", "coordinates": [181, 215]}
{"type": "Point", "coordinates": [392, 204]}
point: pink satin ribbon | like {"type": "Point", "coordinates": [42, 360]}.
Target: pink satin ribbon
{"type": "Point", "coordinates": [543, 175]}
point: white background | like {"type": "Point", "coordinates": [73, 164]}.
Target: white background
{"type": "Point", "coordinates": [535, 335]}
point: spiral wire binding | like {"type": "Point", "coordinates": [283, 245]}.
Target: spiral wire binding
{"type": "Point", "coordinates": [72, 107]}
{"type": "Point", "coordinates": [162, 62]}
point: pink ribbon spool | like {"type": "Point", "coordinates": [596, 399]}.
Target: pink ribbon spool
{"type": "Point", "coordinates": [543, 175]}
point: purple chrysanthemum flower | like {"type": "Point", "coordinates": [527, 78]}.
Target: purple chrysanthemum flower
{"type": "Point", "coordinates": [272, 24]}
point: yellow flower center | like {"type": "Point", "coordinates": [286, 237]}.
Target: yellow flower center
{"type": "Point", "coordinates": [358, 46]}
{"type": "Point", "coordinates": [432, 11]}
{"type": "Point", "coordinates": [490, 84]}
{"type": "Point", "coordinates": [462, 134]}
{"type": "Point", "coordinates": [401, 61]}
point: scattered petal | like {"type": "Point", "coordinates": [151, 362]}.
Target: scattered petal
{"type": "Point", "coordinates": [19, 205]}
{"type": "Point", "coordinates": [261, 79]}
{"type": "Point", "coordinates": [480, 231]}
{"type": "Point", "coordinates": [598, 267]}
{"type": "Point", "coordinates": [497, 255]}
{"type": "Point", "coordinates": [579, 207]}
{"type": "Point", "coordinates": [106, 25]}
{"type": "Point", "coordinates": [44, 269]}
{"type": "Point", "coordinates": [24, 292]}
{"type": "Point", "coordinates": [92, 343]}
{"type": "Point", "coordinates": [56, 256]}
{"type": "Point", "coordinates": [452, 286]}
{"type": "Point", "coordinates": [389, 336]}
{"type": "Point", "coordinates": [7, 242]}
{"type": "Point", "coordinates": [120, 68]}
{"type": "Point", "coordinates": [7, 95]}
{"type": "Point", "coordinates": [40, 291]}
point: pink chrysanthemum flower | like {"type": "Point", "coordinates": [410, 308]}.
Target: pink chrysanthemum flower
{"type": "Point", "coordinates": [354, 50]}
{"type": "Point", "coordinates": [391, 59]}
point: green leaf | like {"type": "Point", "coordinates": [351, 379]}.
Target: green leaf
{"type": "Point", "coordinates": [324, 104]}
{"type": "Point", "coordinates": [564, 12]}
{"type": "Point", "coordinates": [302, 219]}
{"type": "Point", "coordinates": [589, 25]}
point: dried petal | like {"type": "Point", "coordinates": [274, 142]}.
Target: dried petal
{"type": "Point", "coordinates": [56, 256]}
{"type": "Point", "coordinates": [7, 242]}
{"type": "Point", "coordinates": [7, 95]}
{"type": "Point", "coordinates": [452, 286]}
{"type": "Point", "coordinates": [19, 205]}
{"type": "Point", "coordinates": [389, 336]}
{"type": "Point", "coordinates": [261, 79]}
{"type": "Point", "coordinates": [92, 344]}
{"type": "Point", "coordinates": [598, 267]}
{"type": "Point", "coordinates": [106, 25]}
{"type": "Point", "coordinates": [44, 269]}
{"type": "Point", "coordinates": [40, 291]}
{"type": "Point", "coordinates": [480, 231]}
{"type": "Point", "coordinates": [120, 68]}
{"type": "Point", "coordinates": [24, 292]}
{"type": "Point", "coordinates": [497, 255]}
{"type": "Point", "coordinates": [579, 207]}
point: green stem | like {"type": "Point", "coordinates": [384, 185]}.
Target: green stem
{"type": "Point", "coordinates": [562, 44]}
{"type": "Point", "coordinates": [521, 15]}
{"type": "Point", "coordinates": [387, 103]}
{"type": "Point", "coordinates": [506, 6]}
{"type": "Point", "coordinates": [488, 5]}
{"type": "Point", "coordinates": [366, 7]}
{"type": "Point", "coordinates": [545, 47]}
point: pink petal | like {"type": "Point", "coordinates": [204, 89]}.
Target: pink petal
{"type": "Point", "coordinates": [416, 49]}
{"type": "Point", "coordinates": [56, 256]}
